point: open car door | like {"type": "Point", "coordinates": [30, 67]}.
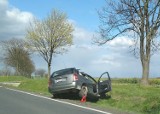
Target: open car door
{"type": "Point", "coordinates": [104, 83]}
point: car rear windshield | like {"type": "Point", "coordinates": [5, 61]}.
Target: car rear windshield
{"type": "Point", "coordinates": [63, 72]}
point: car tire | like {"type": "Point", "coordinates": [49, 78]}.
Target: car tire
{"type": "Point", "coordinates": [83, 91]}
{"type": "Point", "coordinates": [55, 95]}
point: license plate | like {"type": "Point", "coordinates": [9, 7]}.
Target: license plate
{"type": "Point", "coordinates": [60, 80]}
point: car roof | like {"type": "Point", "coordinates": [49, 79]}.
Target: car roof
{"type": "Point", "coordinates": [61, 70]}
{"type": "Point", "coordinates": [65, 69]}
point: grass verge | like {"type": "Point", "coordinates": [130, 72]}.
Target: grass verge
{"type": "Point", "coordinates": [124, 96]}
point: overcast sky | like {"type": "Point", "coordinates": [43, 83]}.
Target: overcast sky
{"type": "Point", "coordinates": [114, 57]}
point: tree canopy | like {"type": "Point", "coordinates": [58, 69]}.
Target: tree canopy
{"type": "Point", "coordinates": [50, 36]}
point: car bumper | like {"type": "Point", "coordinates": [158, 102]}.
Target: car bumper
{"type": "Point", "coordinates": [72, 87]}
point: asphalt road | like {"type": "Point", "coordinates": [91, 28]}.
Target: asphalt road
{"type": "Point", "coordinates": [18, 102]}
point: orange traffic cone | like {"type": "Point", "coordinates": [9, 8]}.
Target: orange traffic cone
{"type": "Point", "coordinates": [83, 99]}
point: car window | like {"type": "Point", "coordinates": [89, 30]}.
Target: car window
{"type": "Point", "coordinates": [63, 72]}
{"type": "Point", "coordinates": [90, 79]}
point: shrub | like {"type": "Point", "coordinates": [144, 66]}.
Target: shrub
{"type": "Point", "coordinates": [154, 81]}
{"type": "Point", "coordinates": [127, 80]}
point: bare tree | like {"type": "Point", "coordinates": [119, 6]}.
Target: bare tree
{"type": "Point", "coordinates": [49, 36]}
{"type": "Point", "coordinates": [17, 57]}
{"type": "Point", "coordinates": [138, 17]}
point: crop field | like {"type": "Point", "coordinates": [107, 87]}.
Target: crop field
{"type": "Point", "coordinates": [126, 95]}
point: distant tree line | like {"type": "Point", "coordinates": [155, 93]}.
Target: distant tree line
{"type": "Point", "coordinates": [40, 73]}
{"type": "Point", "coordinates": [17, 60]}
{"type": "Point", "coordinates": [8, 71]}
{"type": "Point", "coordinates": [16, 56]}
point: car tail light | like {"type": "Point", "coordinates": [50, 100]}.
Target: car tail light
{"type": "Point", "coordinates": [49, 82]}
{"type": "Point", "coordinates": [75, 77]}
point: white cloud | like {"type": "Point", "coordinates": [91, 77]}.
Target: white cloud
{"type": "Point", "coordinates": [13, 21]}
{"type": "Point", "coordinates": [121, 41]}
{"type": "Point", "coordinates": [3, 4]}
{"type": "Point", "coordinates": [109, 60]}
{"type": "Point", "coordinates": [18, 16]}
{"type": "Point", "coordinates": [81, 36]}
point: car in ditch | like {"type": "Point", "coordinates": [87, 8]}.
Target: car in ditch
{"type": "Point", "coordinates": [71, 80]}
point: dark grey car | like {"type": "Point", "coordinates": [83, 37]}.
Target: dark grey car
{"type": "Point", "coordinates": [70, 80]}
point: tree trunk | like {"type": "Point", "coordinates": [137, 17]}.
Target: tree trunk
{"type": "Point", "coordinates": [49, 70]}
{"type": "Point", "coordinates": [49, 64]}
{"type": "Point", "coordinates": [145, 75]}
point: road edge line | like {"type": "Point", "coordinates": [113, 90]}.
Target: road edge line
{"type": "Point", "coordinates": [64, 102]}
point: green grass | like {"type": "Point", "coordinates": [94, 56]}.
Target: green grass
{"type": "Point", "coordinates": [39, 86]}
{"type": "Point", "coordinates": [126, 96]}
{"type": "Point", "coordinates": [132, 97]}
{"type": "Point", "coordinates": [12, 78]}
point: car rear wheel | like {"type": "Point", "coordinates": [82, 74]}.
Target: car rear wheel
{"type": "Point", "coordinates": [83, 91]}
{"type": "Point", "coordinates": [55, 95]}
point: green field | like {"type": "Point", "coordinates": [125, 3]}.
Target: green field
{"type": "Point", "coordinates": [126, 95]}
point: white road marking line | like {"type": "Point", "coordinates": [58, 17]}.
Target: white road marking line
{"type": "Point", "coordinates": [103, 112]}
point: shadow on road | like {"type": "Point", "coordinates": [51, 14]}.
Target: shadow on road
{"type": "Point", "coordinates": [76, 97]}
